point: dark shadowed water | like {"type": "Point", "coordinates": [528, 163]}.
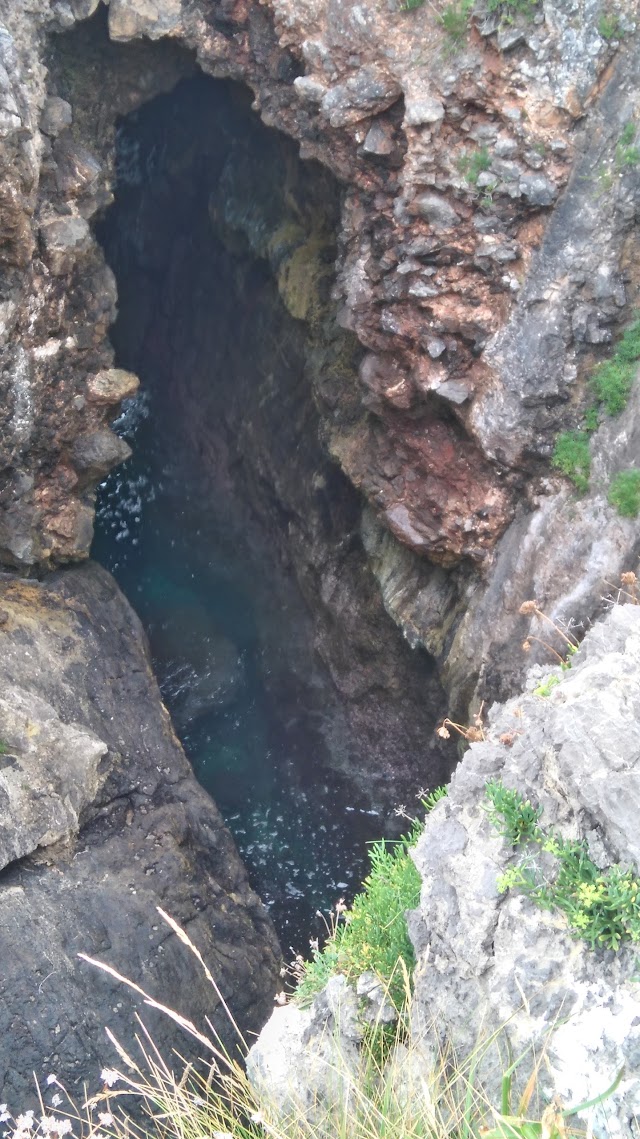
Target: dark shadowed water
{"type": "Point", "coordinates": [205, 608]}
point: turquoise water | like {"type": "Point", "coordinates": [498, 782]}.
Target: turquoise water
{"type": "Point", "coordinates": [300, 831]}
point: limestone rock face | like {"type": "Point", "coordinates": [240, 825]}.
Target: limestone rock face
{"type": "Point", "coordinates": [304, 1059]}
{"type": "Point", "coordinates": [494, 963]}
{"type": "Point", "coordinates": [103, 821]}
{"type": "Point", "coordinates": [487, 960]}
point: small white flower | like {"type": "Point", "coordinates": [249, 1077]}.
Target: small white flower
{"type": "Point", "coordinates": [61, 1126]}
{"type": "Point", "coordinates": [257, 1117]}
{"type": "Point", "coordinates": [221, 1135]}
{"type": "Point", "coordinates": [51, 1080]}
{"type": "Point", "coordinates": [56, 1100]}
{"type": "Point", "coordinates": [109, 1076]}
{"type": "Point", "coordinates": [105, 1118]}
{"type": "Point", "coordinates": [198, 1101]}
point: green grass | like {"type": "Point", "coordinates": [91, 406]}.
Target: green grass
{"type": "Point", "coordinates": [547, 686]}
{"type": "Point", "coordinates": [602, 907]}
{"type": "Point", "coordinates": [454, 19]}
{"type": "Point", "coordinates": [611, 383]}
{"type": "Point", "coordinates": [627, 153]}
{"type": "Point", "coordinates": [471, 166]}
{"type": "Point", "coordinates": [613, 379]}
{"type": "Point", "coordinates": [572, 457]}
{"type": "Point", "coordinates": [373, 934]}
{"type": "Point", "coordinates": [609, 26]}
{"type": "Point", "coordinates": [425, 1093]}
{"type": "Point", "coordinates": [624, 493]}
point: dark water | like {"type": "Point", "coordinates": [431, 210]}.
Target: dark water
{"type": "Point", "coordinates": [301, 833]}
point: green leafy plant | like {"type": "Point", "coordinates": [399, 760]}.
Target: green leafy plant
{"type": "Point", "coordinates": [414, 1097]}
{"type": "Point", "coordinates": [471, 166]}
{"type": "Point", "coordinates": [547, 686]}
{"type": "Point", "coordinates": [511, 813]}
{"type": "Point", "coordinates": [4, 748]}
{"type": "Point", "coordinates": [571, 456]}
{"type": "Point", "coordinates": [612, 383]}
{"type": "Point", "coordinates": [624, 493]}
{"type": "Point", "coordinates": [612, 380]}
{"type": "Point", "coordinates": [605, 179]}
{"type": "Point", "coordinates": [454, 19]}
{"type": "Point", "coordinates": [601, 906]}
{"type": "Point", "coordinates": [372, 934]}
{"type": "Point", "coordinates": [609, 26]}
{"type": "Point", "coordinates": [410, 5]}
{"type": "Point", "coordinates": [627, 153]}
{"type": "Point", "coordinates": [432, 798]}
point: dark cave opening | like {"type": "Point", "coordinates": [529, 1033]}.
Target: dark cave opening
{"type": "Point", "coordinates": [185, 524]}
{"type": "Point", "coordinates": [232, 532]}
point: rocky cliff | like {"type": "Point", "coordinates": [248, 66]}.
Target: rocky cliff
{"type": "Point", "coordinates": [481, 297]}
{"type": "Point", "coordinates": [483, 223]}
{"type": "Point", "coordinates": [496, 975]}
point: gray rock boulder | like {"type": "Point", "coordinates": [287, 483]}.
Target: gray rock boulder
{"type": "Point", "coordinates": [305, 1060]}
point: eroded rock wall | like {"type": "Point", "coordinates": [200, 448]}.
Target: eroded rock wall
{"type": "Point", "coordinates": [481, 300]}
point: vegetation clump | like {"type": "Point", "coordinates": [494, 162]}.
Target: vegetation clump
{"type": "Point", "coordinates": [471, 166]}
{"type": "Point", "coordinates": [627, 153]}
{"type": "Point", "coordinates": [546, 688]}
{"type": "Point", "coordinates": [611, 383]}
{"type": "Point", "coordinates": [454, 19]}
{"type": "Point", "coordinates": [508, 9]}
{"type": "Point", "coordinates": [572, 457]}
{"type": "Point", "coordinates": [609, 26]}
{"type": "Point", "coordinates": [624, 493]}
{"type": "Point", "coordinates": [372, 934]}
{"type": "Point", "coordinates": [601, 906]}
{"type": "Point", "coordinates": [612, 380]}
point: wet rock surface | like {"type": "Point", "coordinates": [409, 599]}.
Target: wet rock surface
{"type": "Point", "coordinates": [105, 822]}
